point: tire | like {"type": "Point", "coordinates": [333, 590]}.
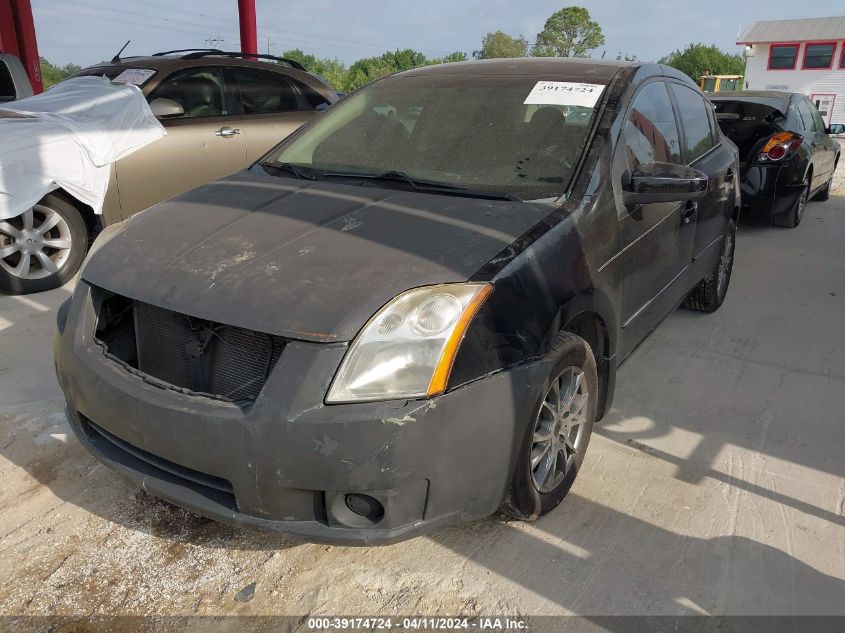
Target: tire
{"type": "Point", "coordinates": [573, 367]}
{"type": "Point", "coordinates": [51, 262]}
{"type": "Point", "coordinates": [793, 217]}
{"type": "Point", "coordinates": [710, 293]}
{"type": "Point", "coordinates": [824, 194]}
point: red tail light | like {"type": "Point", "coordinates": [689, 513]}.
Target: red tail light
{"type": "Point", "coordinates": [780, 146]}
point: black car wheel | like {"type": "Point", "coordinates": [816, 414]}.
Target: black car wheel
{"type": "Point", "coordinates": [710, 293]}
{"type": "Point", "coordinates": [557, 433]}
{"type": "Point", "coordinates": [793, 217]}
{"type": "Point", "coordinates": [42, 248]}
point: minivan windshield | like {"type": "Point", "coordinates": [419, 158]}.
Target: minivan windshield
{"type": "Point", "coordinates": [468, 133]}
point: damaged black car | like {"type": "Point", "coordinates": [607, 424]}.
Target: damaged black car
{"type": "Point", "coordinates": [411, 311]}
{"type": "Point", "coordinates": [786, 154]}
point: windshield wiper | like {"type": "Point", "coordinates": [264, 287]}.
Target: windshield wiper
{"type": "Point", "coordinates": [290, 168]}
{"type": "Point", "coordinates": [426, 186]}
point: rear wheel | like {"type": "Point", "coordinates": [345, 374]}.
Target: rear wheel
{"type": "Point", "coordinates": [793, 217]}
{"type": "Point", "coordinates": [42, 248]}
{"type": "Point", "coordinates": [558, 432]}
{"type": "Point", "coordinates": [710, 293]}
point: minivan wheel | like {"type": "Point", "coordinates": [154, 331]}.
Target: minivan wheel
{"type": "Point", "coordinates": [42, 248]}
{"type": "Point", "coordinates": [710, 293]}
{"type": "Point", "coordinates": [558, 432]}
{"type": "Point", "coordinates": [792, 218]}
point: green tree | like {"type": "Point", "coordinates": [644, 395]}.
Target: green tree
{"type": "Point", "coordinates": [366, 70]}
{"type": "Point", "coordinates": [500, 44]}
{"type": "Point", "coordinates": [333, 70]}
{"type": "Point", "coordinates": [457, 56]}
{"type": "Point", "coordinates": [51, 75]}
{"type": "Point", "coordinates": [569, 32]}
{"type": "Point", "coordinates": [698, 59]}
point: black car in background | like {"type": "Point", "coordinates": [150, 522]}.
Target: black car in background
{"type": "Point", "coordinates": [785, 151]}
{"type": "Point", "coordinates": [410, 312]}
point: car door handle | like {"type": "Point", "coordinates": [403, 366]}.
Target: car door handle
{"type": "Point", "coordinates": [227, 132]}
{"type": "Point", "coordinates": [689, 210]}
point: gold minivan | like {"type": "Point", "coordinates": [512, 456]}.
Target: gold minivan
{"type": "Point", "coordinates": [221, 110]}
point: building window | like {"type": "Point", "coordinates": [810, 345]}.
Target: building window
{"type": "Point", "coordinates": [782, 56]}
{"type": "Point", "coordinates": [819, 56]}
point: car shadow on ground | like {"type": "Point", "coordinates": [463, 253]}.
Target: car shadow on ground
{"type": "Point", "coordinates": [589, 559]}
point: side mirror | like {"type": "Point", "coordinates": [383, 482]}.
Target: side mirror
{"type": "Point", "coordinates": [836, 128]}
{"type": "Point", "coordinates": [664, 182]}
{"type": "Point", "coordinates": [163, 108]}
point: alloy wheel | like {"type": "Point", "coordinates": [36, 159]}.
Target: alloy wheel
{"type": "Point", "coordinates": [35, 244]}
{"type": "Point", "coordinates": [559, 430]}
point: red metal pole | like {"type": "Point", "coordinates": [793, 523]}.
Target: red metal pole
{"type": "Point", "coordinates": [249, 32]}
{"type": "Point", "coordinates": [8, 35]}
{"type": "Point", "coordinates": [27, 44]}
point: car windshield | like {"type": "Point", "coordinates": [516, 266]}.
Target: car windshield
{"type": "Point", "coordinates": [474, 133]}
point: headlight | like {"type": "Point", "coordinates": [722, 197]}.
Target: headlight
{"type": "Point", "coordinates": [407, 349]}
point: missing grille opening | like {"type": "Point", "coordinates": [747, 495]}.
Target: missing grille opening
{"type": "Point", "coordinates": [198, 355]}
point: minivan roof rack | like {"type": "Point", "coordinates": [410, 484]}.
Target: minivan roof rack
{"type": "Point", "coordinates": [198, 53]}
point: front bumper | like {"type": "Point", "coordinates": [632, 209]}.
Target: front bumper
{"type": "Point", "coordinates": [769, 190]}
{"type": "Point", "coordinates": [288, 462]}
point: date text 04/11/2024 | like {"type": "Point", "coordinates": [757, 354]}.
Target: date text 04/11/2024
{"type": "Point", "coordinates": [417, 623]}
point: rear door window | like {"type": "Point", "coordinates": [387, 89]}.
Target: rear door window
{"type": "Point", "coordinates": [806, 116]}
{"type": "Point", "coordinates": [695, 121]}
{"type": "Point", "coordinates": [651, 133]}
{"type": "Point", "coordinates": [818, 121]}
{"type": "Point", "coordinates": [265, 92]}
{"type": "Point", "coordinates": [200, 92]}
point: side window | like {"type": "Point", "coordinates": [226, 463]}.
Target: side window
{"type": "Point", "coordinates": [264, 91]}
{"type": "Point", "coordinates": [695, 120]}
{"type": "Point", "coordinates": [714, 124]}
{"type": "Point", "coordinates": [793, 119]}
{"type": "Point", "coordinates": [314, 98]}
{"type": "Point", "coordinates": [817, 118]}
{"type": "Point", "coordinates": [651, 134]}
{"type": "Point", "coordinates": [806, 115]}
{"type": "Point", "coordinates": [199, 91]}
{"type": "Point", "coordinates": [7, 86]}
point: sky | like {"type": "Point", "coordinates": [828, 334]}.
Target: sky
{"type": "Point", "coordinates": [88, 31]}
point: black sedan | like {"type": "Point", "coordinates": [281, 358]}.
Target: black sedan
{"type": "Point", "coordinates": [786, 154]}
{"type": "Point", "coordinates": [412, 310]}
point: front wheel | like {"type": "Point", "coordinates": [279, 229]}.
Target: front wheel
{"type": "Point", "coordinates": [710, 293]}
{"type": "Point", "coordinates": [558, 432]}
{"type": "Point", "coordinates": [42, 248]}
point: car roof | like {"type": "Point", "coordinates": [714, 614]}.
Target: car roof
{"type": "Point", "coordinates": [574, 67]}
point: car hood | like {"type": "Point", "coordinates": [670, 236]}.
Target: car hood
{"type": "Point", "coordinates": [301, 259]}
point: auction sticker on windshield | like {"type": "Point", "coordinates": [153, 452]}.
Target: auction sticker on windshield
{"type": "Point", "coordinates": [134, 76]}
{"type": "Point", "coordinates": [568, 93]}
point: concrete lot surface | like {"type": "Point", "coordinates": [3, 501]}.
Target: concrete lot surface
{"type": "Point", "coordinates": [716, 485]}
